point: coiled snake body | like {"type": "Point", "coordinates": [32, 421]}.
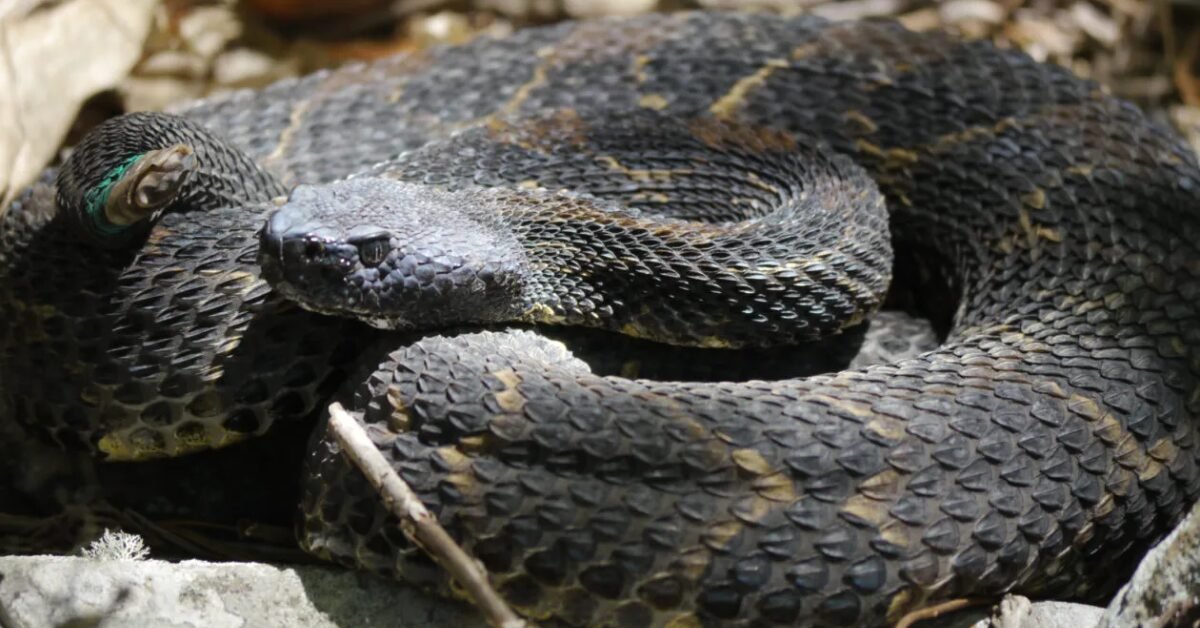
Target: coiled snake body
{"type": "Point", "coordinates": [1051, 433]}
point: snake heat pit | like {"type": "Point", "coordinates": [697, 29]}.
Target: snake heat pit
{"type": "Point", "coordinates": [697, 179]}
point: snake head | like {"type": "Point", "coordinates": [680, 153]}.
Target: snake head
{"type": "Point", "coordinates": [392, 254]}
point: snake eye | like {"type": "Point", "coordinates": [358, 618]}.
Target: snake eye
{"type": "Point", "coordinates": [373, 248]}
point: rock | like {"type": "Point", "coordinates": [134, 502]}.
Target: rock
{"type": "Point", "coordinates": [1016, 611]}
{"type": "Point", "coordinates": [1165, 589]}
{"type": "Point", "coordinates": [600, 8]}
{"type": "Point", "coordinates": [247, 67]}
{"type": "Point", "coordinates": [985, 11]}
{"type": "Point", "coordinates": [207, 30]}
{"type": "Point", "coordinates": [56, 590]}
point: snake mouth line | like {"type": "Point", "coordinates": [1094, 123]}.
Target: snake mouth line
{"type": "Point", "coordinates": [283, 281]}
{"type": "Point", "coordinates": [276, 274]}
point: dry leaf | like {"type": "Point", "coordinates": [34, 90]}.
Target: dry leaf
{"type": "Point", "coordinates": [54, 60]}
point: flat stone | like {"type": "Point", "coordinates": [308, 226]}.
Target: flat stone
{"type": "Point", "coordinates": [57, 590]}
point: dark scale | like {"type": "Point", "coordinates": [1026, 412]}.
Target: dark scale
{"type": "Point", "coordinates": [711, 181]}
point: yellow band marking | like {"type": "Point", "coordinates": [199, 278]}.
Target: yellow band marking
{"type": "Point", "coordinates": [728, 103]}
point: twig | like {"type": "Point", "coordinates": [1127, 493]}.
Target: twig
{"type": "Point", "coordinates": [930, 612]}
{"type": "Point", "coordinates": [417, 523]}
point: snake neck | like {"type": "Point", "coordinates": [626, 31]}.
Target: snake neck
{"type": "Point", "coordinates": [395, 255]}
{"type": "Point", "coordinates": [403, 255]}
{"type": "Point", "coordinates": [769, 238]}
{"type": "Point", "coordinates": [132, 168]}
{"type": "Point", "coordinates": [746, 283]}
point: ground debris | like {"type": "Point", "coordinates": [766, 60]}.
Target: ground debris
{"type": "Point", "coordinates": [1141, 50]}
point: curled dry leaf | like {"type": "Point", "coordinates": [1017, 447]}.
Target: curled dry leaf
{"type": "Point", "coordinates": [53, 60]}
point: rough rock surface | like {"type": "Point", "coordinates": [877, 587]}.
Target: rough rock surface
{"type": "Point", "coordinates": [1016, 611]}
{"type": "Point", "coordinates": [64, 591]}
{"type": "Point", "coordinates": [1165, 589]}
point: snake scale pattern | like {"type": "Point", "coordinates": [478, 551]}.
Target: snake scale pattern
{"type": "Point", "coordinates": [1049, 437]}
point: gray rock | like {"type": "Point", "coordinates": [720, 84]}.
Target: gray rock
{"type": "Point", "coordinates": [67, 591]}
{"type": "Point", "coordinates": [1016, 611]}
{"type": "Point", "coordinates": [37, 591]}
{"type": "Point", "coordinates": [1165, 589]}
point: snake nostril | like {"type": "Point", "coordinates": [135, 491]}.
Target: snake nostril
{"type": "Point", "coordinates": [372, 249]}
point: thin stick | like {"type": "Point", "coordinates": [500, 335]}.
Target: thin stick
{"type": "Point", "coordinates": [930, 612]}
{"type": "Point", "coordinates": [417, 523]}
